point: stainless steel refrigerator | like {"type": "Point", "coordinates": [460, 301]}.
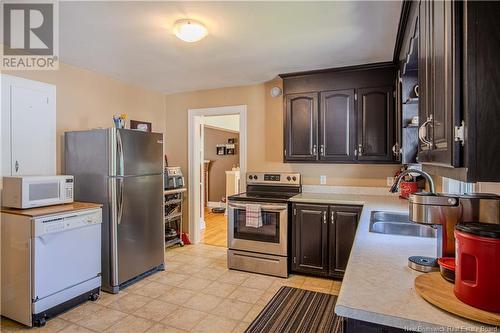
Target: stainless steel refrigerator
{"type": "Point", "coordinates": [122, 170]}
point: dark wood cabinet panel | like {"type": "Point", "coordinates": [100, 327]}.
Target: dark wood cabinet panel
{"type": "Point", "coordinates": [343, 226]}
{"type": "Point", "coordinates": [311, 235]}
{"type": "Point", "coordinates": [439, 71]}
{"type": "Point", "coordinates": [337, 126]}
{"type": "Point", "coordinates": [301, 126]}
{"type": "Point", "coordinates": [424, 79]}
{"type": "Point", "coordinates": [441, 82]}
{"type": "Point", "coordinates": [481, 83]}
{"type": "Point", "coordinates": [375, 124]}
{"type": "Point", "coordinates": [322, 238]}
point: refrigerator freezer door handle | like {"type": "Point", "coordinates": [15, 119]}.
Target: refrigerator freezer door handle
{"type": "Point", "coordinates": [120, 200]}
{"type": "Point", "coordinates": [120, 152]}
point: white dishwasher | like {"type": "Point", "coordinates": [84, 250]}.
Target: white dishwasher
{"type": "Point", "coordinates": [50, 263]}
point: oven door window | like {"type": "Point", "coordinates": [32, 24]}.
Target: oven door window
{"type": "Point", "coordinates": [269, 232]}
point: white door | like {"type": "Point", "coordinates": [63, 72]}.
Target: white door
{"type": "Point", "coordinates": [29, 143]}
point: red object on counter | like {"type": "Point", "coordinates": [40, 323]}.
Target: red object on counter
{"type": "Point", "coordinates": [447, 268]}
{"type": "Point", "coordinates": [477, 273]}
{"type": "Point", "coordinates": [407, 188]}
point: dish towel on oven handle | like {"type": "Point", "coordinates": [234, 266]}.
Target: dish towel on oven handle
{"type": "Point", "coordinates": [253, 216]}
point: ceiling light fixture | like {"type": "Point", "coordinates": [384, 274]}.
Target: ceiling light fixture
{"type": "Point", "coordinates": [190, 30]}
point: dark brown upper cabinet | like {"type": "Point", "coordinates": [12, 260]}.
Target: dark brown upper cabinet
{"type": "Point", "coordinates": [301, 127]}
{"type": "Point", "coordinates": [310, 235]}
{"type": "Point", "coordinates": [322, 238]}
{"type": "Point", "coordinates": [337, 133]}
{"type": "Point", "coordinates": [458, 70]}
{"type": "Point", "coordinates": [329, 131]}
{"type": "Point", "coordinates": [439, 109]}
{"type": "Point", "coordinates": [375, 124]}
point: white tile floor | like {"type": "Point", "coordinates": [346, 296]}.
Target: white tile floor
{"type": "Point", "coordinates": [196, 293]}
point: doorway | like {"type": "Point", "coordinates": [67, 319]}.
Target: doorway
{"type": "Point", "coordinates": [217, 156]}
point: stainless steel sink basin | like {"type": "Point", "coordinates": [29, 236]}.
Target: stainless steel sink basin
{"type": "Point", "coordinates": [390, 216]}
{"type": "Point", "coordinates": [394, 223]}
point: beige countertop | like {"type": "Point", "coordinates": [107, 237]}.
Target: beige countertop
{"type": "Point", "coordinates": [378, 285]}
{"type": "Point", "coordinates": [49, 210]}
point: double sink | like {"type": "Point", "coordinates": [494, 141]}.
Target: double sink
{"type": "Point", "coordinates": [394, 223]}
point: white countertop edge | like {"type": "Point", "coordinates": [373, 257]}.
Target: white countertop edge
{"type": "Point", "coordinates": [408, 324]}
{"type": "Point", "coordinates": [327, 201]}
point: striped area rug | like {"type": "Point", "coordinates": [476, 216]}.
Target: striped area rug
{"type": "Point", "coordinates": [297, 310]}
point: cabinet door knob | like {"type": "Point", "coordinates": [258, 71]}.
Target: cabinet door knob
{"type": "Point", "coordinates": [324, 217]}
{"type": "Point", "coordinates": [322, 150]}
{"type": "Point", "coordinates": [315, 150]}
{"type": "Point", "coordinates": [332, 218]}
{"type": "Point", "coordinates": [360, 149]}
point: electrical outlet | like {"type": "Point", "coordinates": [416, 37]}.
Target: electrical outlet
{"type": "Point", "coordinates": [390, 181]}
{"type": "Point", "coordinates": [322, 180]}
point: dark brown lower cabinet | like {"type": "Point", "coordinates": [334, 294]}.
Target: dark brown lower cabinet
{"type": "Point", "coordinates": [322, 238]}
{"type": "Point", "coordinates": [343, 226]}
{"type": "Point", "coordinates": [310, 232]}
{"type": "Point", "coordinates": [358, 326]}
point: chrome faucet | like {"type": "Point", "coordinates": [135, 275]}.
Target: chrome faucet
{"type": "Point", "coordinates": [395, 186]}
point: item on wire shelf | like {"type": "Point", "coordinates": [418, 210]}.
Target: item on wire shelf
{"type": "Point", "coordinates": [170, 233]}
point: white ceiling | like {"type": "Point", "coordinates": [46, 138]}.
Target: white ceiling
{"type": "Point", "coordinates": [248, 42]}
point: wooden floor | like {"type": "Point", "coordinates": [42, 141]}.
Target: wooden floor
{"type": "Point", "coordinates": [215, 232]}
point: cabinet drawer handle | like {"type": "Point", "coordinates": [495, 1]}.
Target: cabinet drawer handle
{"type": "Point", "coordinates": [315, 150]}
{"type": "Point", "coordinates": [324, 217]}
{"type": "Point", "coordinates": [360, 149]}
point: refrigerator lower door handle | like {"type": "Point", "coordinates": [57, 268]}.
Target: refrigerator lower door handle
{"type": "Point", "coordinates": [113, 203]}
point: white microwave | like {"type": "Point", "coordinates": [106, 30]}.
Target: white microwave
{"type": "Point", "coordinates": [36, 191]}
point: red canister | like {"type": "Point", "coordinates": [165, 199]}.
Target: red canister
{"type": "Point", "coordinates": [407, 188]}
{"type": "Point", "coordinates": [477, 274]}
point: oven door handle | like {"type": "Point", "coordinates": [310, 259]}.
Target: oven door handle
{"type": "Point", "coordinates": [268, 208]}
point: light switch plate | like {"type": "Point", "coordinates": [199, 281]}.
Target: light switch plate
{"type": "Point", "coordinates": [390, 181]}
{"type": "Point", "coordinates": [322, 180]}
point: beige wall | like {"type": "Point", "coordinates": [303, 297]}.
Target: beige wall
{"type": "Point", "coordinates": [265, 135]}
{"type": "Point", "coordinates": [87, 99]}
{"type": "Point", "coordinates": [219, 163]}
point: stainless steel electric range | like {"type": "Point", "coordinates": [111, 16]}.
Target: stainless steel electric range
{"type": "Point", "coordinates": [262, 249]}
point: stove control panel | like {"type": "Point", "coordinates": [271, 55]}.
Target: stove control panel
{"type": "Point", "coordinates": [275, 178]}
